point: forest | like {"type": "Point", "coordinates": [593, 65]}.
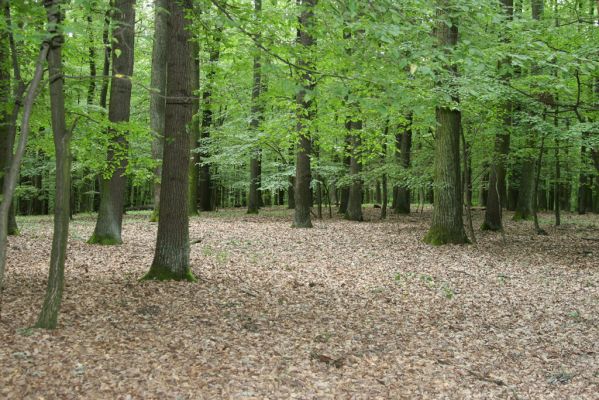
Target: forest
{"type": "Point", "coordinates": [299, 199]}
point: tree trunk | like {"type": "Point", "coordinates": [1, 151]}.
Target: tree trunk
{"type": "Point", "coordinates": [10, 180]}
{"type": "Point", "coordinates": [305, 114]}
{"type": "Point", "coordinates": [257, 110]}
{"type": "Point", "coordinates": [7, 121]}
{"type": "Point", "coordinates": [171, 257]}
{"type": "Point", "coordinates": [48, 317]}
{"type": "Point", "coordinates": [447, 224]}
{"type": "Point", "coordinates": [157, 100]}
{"type": "Point", "coordinates": [205, 186]}
{"type": "Point", "coordinates": [354, 204]}
{"type": "Point", "coordinates": [112, 192]}
{"type": "Point", "coordinates": [402, 204]}
{"type": "Point", "coordinates": [194, 137]}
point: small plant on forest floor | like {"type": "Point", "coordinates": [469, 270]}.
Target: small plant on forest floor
{"type": "Point", "coordinates": [562, 377]}
{"type": "Point", "coordinates": [574, 314]}
{"type": "Point", "coordinates": [430, 282]}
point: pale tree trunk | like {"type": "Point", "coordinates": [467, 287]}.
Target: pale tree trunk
{"type": "Point", "coordinates": [157, 102]}
{"type": "Point", "coordinates": [257, 110]}
{"type": "Point", "coordinates": [305, 114]}
{"type": "Point", "coordinates": [48, 317]}
{"type": "Point", "coordinates": [171, 257]}
{"type": "Point", "coordinates": [447, 224]}
{"type": "Point", "coordinates": [112, 191]}
{"type": "Point", "coordinates": [10, 180]}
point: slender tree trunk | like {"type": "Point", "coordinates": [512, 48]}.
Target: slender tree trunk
{"type": "Point", "coordinates": [205, 179]}
{"type": "Point", "coordinates": [257, 110]}
{"type": "Point", "coordinates": [171, 258]}
{"type": "Point", "coordinates": [157, 100]}
{"type": "Point", "coordinates": [447, 224]}
{"type": "Point", "coordinates": [402, 204]}
{"type": "Point", "coordinates": [48, 317]}
{"type": "Point", "coordinates": [354, 204]}
{"type": "Point", "coordinates": [10, 180]}
{"type": "Point", "coordinates": [18, 93]}
{"type": "Point", "coordinates": [305, 114]}
{"type": "Point", "coordinates": [526, 195]}
{"type": "Point", "coordinates": [112, 192]}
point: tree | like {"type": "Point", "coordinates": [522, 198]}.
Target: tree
{"type": "Point", "coordinates": [497, 195]}
{"type": "Point", "coordinates": [305, 114]}
{"type": "Point", "coordinates": [404, 148]}
{"type": "Point", "coordinates": [10, 180]}
{"type": "Point", "coordinates": [157, 102]}
{"type": "Point", "coordinates": [171, 257]}
{"type": "Point", "coordinates": [48, 317]}
{"type": "Point", "coordinates": [257, 110]}
{"type": "Point", "coordinates": [112, 191]}
{"type": "Point", "coordinates": [8, 115]}
{"type": "Point", "coordinates": [447, 225]}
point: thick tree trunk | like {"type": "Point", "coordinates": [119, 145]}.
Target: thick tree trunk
{"type": "Point", "coordinates": [157, 100]}
{"type": "Point", "coordinates": [447, 224]}
{"type": "Point", "coordinates": [194, 137]}
{"type": "Point", "coordinates": [48, 317]}
{"type": "Point", "coordinates": [305, 113]}
{"type": "Point", "coordinates": [171, 258]}
{"type": "Point", "coordinates": [112, 192]}
{"type": "Point", "coordinates": [402, 203]}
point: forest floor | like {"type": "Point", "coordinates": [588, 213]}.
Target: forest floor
{"type": "Point", "coordinates": [344, 310]}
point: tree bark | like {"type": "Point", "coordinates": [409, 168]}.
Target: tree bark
{"type": "Point", "coordinates": [256, 118]}
{"type": "Point", "coordinates": [10, 180]}
{"type": "Point", "coordinates": [402, 202]}
{"type": "Point", "coordinates": [205, 187]}
{"type": "Point", "coordinates": [171, 257]}
{"type": "Point", "coordinates": [8, 118]}
{"type": "Point", "coordinates": [157, 99]}
{"type": "Point", "coordinates": [447, 224]}
{"type": "Point", "coordinates": [305, 114]}
{"type": "Point", "coordinates": [48, 317]}
{"type": "Point", "coordinates": [354, 203]}
{"type": "Point", "coordinates": [112, 191]}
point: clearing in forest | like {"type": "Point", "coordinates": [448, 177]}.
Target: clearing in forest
{"type": "Point", "coordinates": [344, 310]}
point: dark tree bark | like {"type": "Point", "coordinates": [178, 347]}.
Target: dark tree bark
{"type": "Point", "coordinates": [354, 203]}
{"type": "Point", "coordinates": [402, 202]}
{"type": "Point", "coordinates": [10, 180]}
{"type": "Point", "coordinates": [7, 117]}
{"type": "Point", "coordinates": [48, 317]}
{"type": "Point", "coordinates": [107, 55]}
{"type": "Point", "coordinates": [194, 137]}
{"type": "Point", "coordinates": [497, 194]}
{"type": "Point", "coordinates": [257, 110]}
{"type": "Point", "coordinates": [305, 114]}
{"type": "Point", "coordinates": [344, 191]}
{"type": "Point", "coordinates": [205, 186]}
{"type": "Point", "coordinates": [171, 258]}
{"type": "Point", "coordinates": [526, 193]}
{"type": "Point", "coordinates": [447, 224]}
{"type": "Point", "coordinates": [112, 191]}
{"type": "Point", "coordinates": [157, 99]}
